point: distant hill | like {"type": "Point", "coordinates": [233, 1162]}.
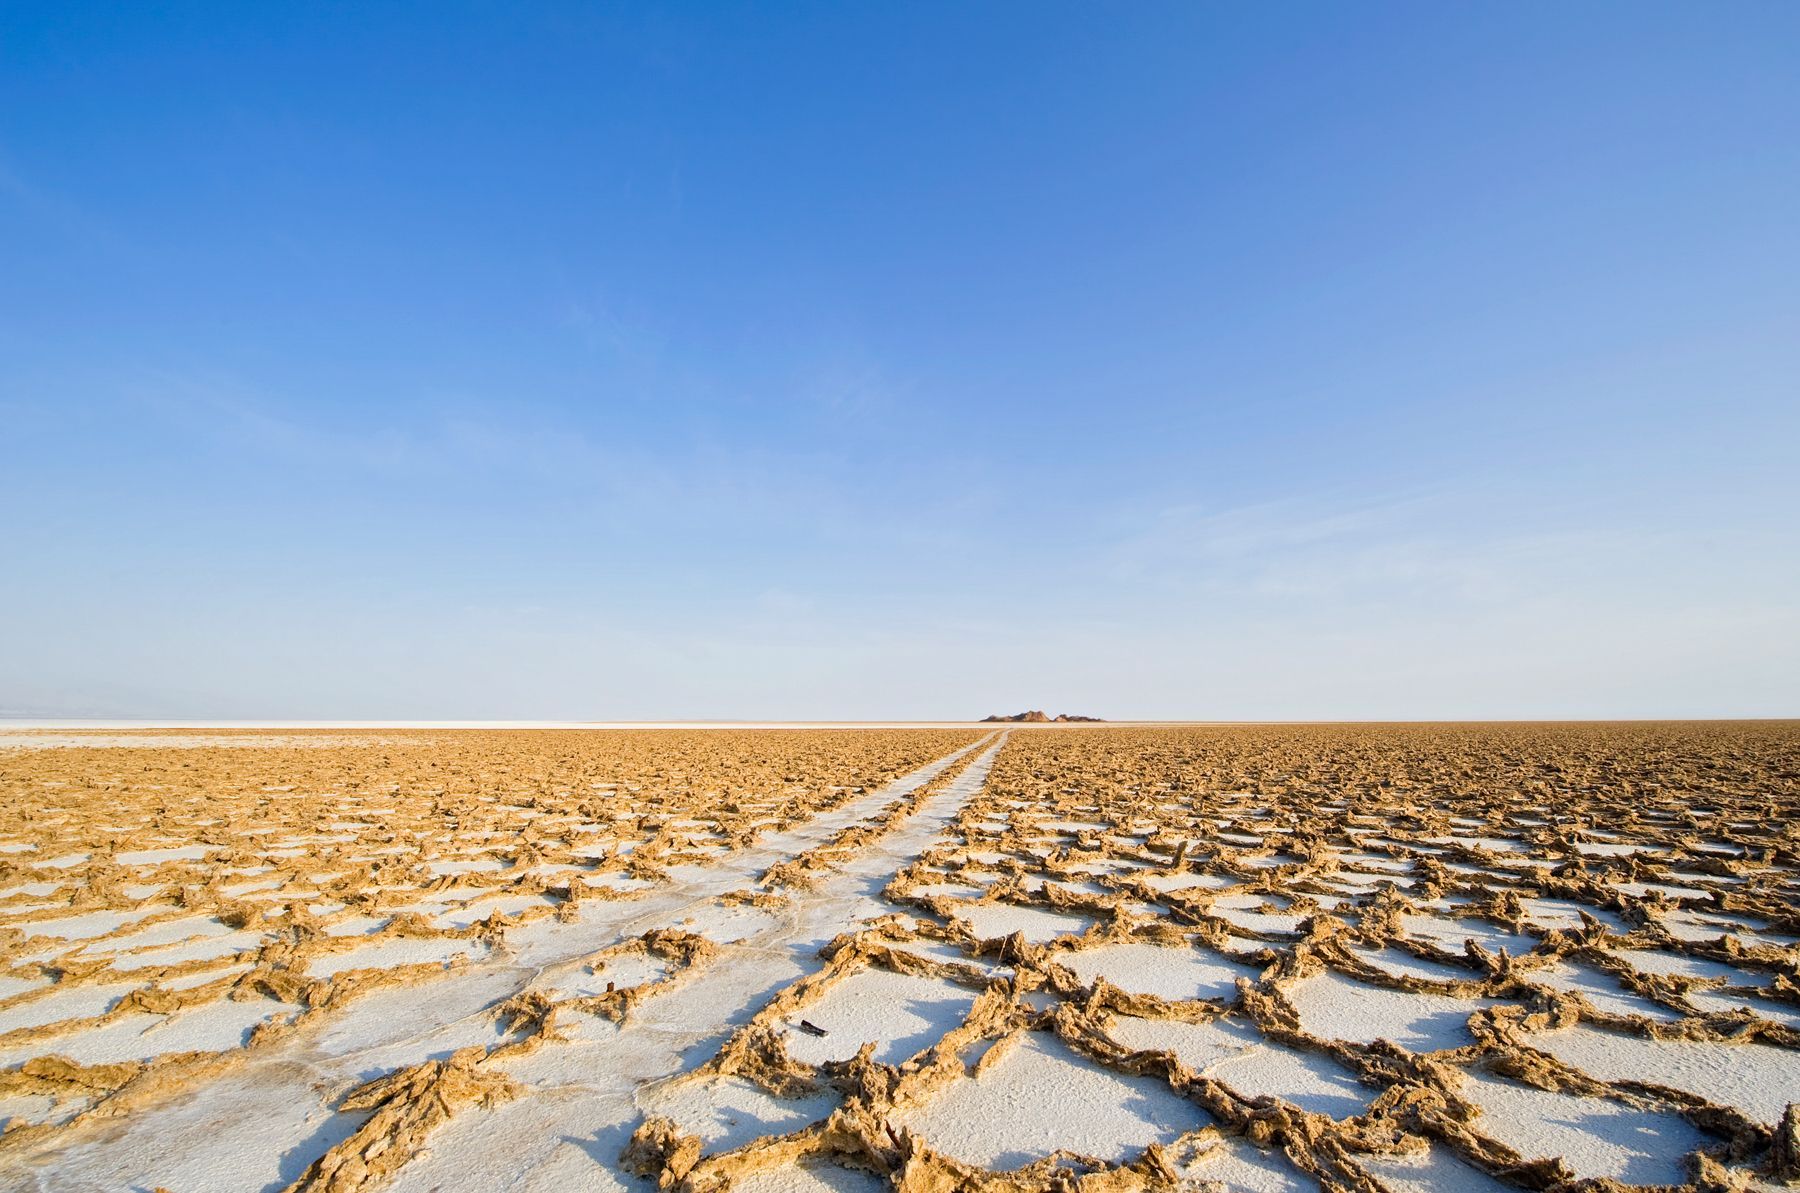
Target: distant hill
{"type": "Point", "coordinates": [1037, 716]}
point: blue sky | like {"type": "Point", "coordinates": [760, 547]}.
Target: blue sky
{"type": "Point", "coordinates": [1186, 360]}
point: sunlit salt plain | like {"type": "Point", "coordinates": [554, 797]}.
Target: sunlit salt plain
{"type": "Point", "coordinates": [1279, 958]}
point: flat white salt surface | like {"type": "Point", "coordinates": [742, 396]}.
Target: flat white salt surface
{"type": "Point", "coordinates": [1758, 1079]}
{"type": "Point", "coordinates": [728, 923]}
{"type": "Point", "coordinates": [1040, 1096]}
{"type": "Point", "coordinates": [1236, 1053]}
{"type": "Point", "coordinates": [1337, 1008]}
{"type": "Point", "coordinates": [68, 1002]}
{"type": "Point", "coordinates": [86, 925]}
{"type": "Point", "coordinates": [10, 985]}
{"type": "Point", "coordinates": [1172, 973]}
{"type": "Point", "coordinates": [155, 857]}
{"type": "Point", "coordinates": [729, 1112]}
{"type": "Point", "coordinates": [902, 1014]}
{"type": "Point", "coordinates": [990, 920]}
{"type": "Point", "coordinates": [214, 1027]}
{"type": "Point", "coordinates": [387, 954]}
{"type": "Point", "coordinates": [1594, 1136]}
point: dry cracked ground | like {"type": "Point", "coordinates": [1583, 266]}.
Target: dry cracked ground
{"type": "Point", "coordinates": [1274, 958]}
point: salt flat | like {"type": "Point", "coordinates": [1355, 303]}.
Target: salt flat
{"type": "Point", "coordinates": [832, 958]}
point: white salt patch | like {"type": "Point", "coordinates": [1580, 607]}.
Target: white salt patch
{"type": "Point", "coordinates": [474, 865]}
{"type": "Point", "coordinates": [390, 953]}
{"type": "Point", "coordinates": [1309, 1080]}
{"type": "Point", "coordinates": [728, 923]}
{"type": "Point", "coordinates": [204, 949]}
{"type": "Point", "coordinates": [167, 932]}
{"type": "Point", "coordinates": [1611, 848]}
{"type": "Point", "coordinates": [1640, 889]}
{"type": "Point", "coordinates": [216, 1027]}
{"type": "Point", "coordinates": [1337, 1008]}
{"type": "Point", "coordinates": [952, 890]}
{"type": "Point", "coordinates": [65, 862]}
{"type": "Point", "coordinates": [1183, 882]}
{"type": "Point", "coordinates": [480, 910]}
{"type": "Point", "coordinates": [87, 925]}
{"type": "Point", "coordinates": [632, 969]}
{"type": "Point", "coordinates": [36, 1109]}
{"type": "Point", "coordinates": [1171, 973]}
{"type": "Point", "coordinates": [1041, 1096]}
{"type": "Point", "coordinates": [356, 925]}
{"type": "Point", "coordinates": [902, 1014]}
{"type": "Point", "coordinates": [990, 920]}
{"type": "Point", "coordinates": [1595, 1137]}
{"type": "Point", "coordinates": [189, 981]}
{"type": "Point", "coordinates": [809, 1178]}
{"type": "Point", "coordinates": [70, 1002]}
{"type": "Point", "coordinates": [10, 985]}
{"type": "Point", "coordinates": [155, 857]}
{"type": "Point", "coordinates": [1758, 1079]}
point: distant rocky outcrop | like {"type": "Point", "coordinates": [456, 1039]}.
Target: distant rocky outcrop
{"type": "Point", "coordinates": [1037, 716]}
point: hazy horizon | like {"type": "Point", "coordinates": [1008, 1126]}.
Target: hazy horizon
{"type": "Point", "coordinates": [1318, 363]}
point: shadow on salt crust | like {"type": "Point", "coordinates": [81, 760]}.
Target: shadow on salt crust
{"type": "Point", "coordinates": [1595, 1137]}
{"type": "Point", "coordinates": [1337, 1008]}
{"type": "Point", "coordinates": [1758, 1079]}
{"type": "Point", "coordinates": [1042, 1096]}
